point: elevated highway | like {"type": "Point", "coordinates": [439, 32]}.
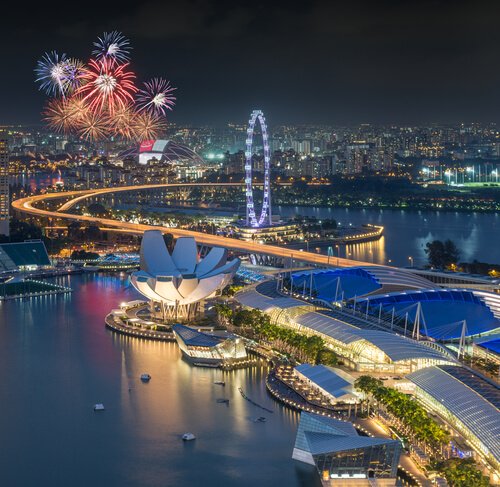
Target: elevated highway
{"type": "Point", "coordinates": [27, 205]}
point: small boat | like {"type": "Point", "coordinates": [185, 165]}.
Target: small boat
{"type": "Point", "coordinates": [223, 401]}
{"type": "Point", "coordinates": [99, 407]}
{"type": "Point", "coordinates": [220, 383]}
{"type": "Point", "coordinates": [188, 437]}
{"type": "Point", "coordinates": [261, 419]}
{"type": "Point", "coordinates": [145, 377]}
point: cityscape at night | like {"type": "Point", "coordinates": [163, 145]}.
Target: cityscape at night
{"type": "Point", "coordinates": [250, 244]}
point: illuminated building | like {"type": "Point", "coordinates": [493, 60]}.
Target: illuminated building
{"type": "Point", "coordinates": [274, 232]}
{"type": "Point", "coordinates": [342, 456]}
{"type": "Point", "coordinates": [23, 256]}
{"type": "Point", "coordinates": [466, 401]}
{"type": "Point", "coordinates": [363, 349]}
{"type": "Point", "coordinates": [180, 280]}
{"type": "Point", "coordinates": [202, 348]}
{"type": "Point", "coordinates": [4, 187]}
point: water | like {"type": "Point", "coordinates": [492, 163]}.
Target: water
{"type": "Point", "coordinates": [406, 233]}
{"type": "Point", "coordinates": [57, 360]}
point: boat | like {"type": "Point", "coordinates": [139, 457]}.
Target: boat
{"type": "Point", "coordinates": [188, 437]}
{"type": "Point", "coordinates": [220, 401]}
{"type": "Point", "coordinates": [220, 382]}
{"type": "Point", "coordinates": [99, 407]}
{"type": "Point", "coordinates": [261, 419]}
{"type": "Point", "coordinates": [145, 377]}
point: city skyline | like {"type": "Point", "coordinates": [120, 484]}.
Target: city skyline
{"type": "Point", "coordinates": [388, 63]}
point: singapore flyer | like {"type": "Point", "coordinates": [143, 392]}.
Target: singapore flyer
{"type": "Point", "coordinates": [265, 215]}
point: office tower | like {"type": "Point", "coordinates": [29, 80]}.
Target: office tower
{"type": "Point", "coordinates": [4, 187]}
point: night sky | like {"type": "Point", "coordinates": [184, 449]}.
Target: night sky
{"type": "Point", "coordinates": [301, 62]}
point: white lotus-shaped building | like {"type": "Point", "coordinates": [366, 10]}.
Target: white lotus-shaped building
{"type": "Point", "coordinates": [180, 279]}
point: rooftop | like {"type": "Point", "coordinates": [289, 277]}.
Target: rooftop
{"type": "Point", "coordinates": [330, 380]}
{"type": "Point", "coordinates": [469, 399]}
{"type": "Point", "coordinates": [195, 338]}
{"type": "Point", "coordinates": [31, 253]}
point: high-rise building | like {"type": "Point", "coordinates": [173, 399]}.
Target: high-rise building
{"type": "Point", "coordinates": [4, 187]}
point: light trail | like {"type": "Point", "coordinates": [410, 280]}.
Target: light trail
{"type": "Point", "coordinates": [25, 205]}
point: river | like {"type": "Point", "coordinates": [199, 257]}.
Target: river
{"type": "Point", "coordinates": [406, 233]}
{"type": "Point", "coordinates": [57, 360]}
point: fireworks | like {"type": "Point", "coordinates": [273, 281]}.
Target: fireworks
{"type": "Point", "coordinates": [114, 46]}
{"type": "Point", "coordinates": [94, 126]}
{"type": "Point", "coordinates": [122, 122]}
{"type": "Point", "coordinates": [156, 96]}
{"type": "Point", "coordinates": [96, 100]}
{"type": "Point", "coordinates": [75, 70]}
{"type": "Point", "coordinates": [52, 71]}
{"type": "Point", "coordinates": [58, 116]}
{"type": "Point", "coordinates": [148, 126]}
{"type": "Point", "coordinates": [107, 85]}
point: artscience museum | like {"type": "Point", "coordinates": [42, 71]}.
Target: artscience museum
{"type": "Point", "coordinates": [179, 281]}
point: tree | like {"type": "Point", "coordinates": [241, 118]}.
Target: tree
{"type": "Point", "coordinates": [451, 252]}
{"type": "Point", "coordinates": [442, 254]}
{"type": "Point", "coordinates": [97, 209]}
{"type": "Point", "coordinates": [462, 472]}
{"type": "Point", "coordinates": [327, 357]}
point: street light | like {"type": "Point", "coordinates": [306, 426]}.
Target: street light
{"type": "Point", "coordinates": [411, 260]}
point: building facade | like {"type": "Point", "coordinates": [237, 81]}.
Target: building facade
{"type": "Point", "coordinates": [343, 457]}
{"type": "Point", "coordinates": [4, 187]}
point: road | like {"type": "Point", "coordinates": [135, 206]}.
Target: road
{"type": "Point", "coordinates": [26, 205]}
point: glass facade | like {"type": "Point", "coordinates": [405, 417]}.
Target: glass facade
{"type": "Point", "coordinates": [377, 461]}
{"type": "Point", "coordinates": [339, 452]}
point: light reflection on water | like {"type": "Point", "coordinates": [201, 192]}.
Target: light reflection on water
{"type": "Point", "coordinates": [57, 360]}
{"type": "Point", "coordinates": [406, 232]}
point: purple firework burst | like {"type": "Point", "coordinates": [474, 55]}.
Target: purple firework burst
{"type": "Point", "coordinates": [75, 70]}
{"type": "Point", "coordinates": [156, 97]}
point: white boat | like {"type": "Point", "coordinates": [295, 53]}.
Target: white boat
{"type": "Point", "coordinates": [99, 407]}
{"type": "Point", "coordinates": [145, 377]}
{"type": "Point", "coordinates": [188, 437]}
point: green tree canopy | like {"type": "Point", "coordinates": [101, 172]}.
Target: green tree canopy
{"type": "Point", "coordinates": [442, 254]}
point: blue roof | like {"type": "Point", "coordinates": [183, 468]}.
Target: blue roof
{"type": "Point", "coordinates": [493, 345]}
{"type": "Point", "coordinates": [444, 311]}
{"type": "Point", "coordinates": [326, 378]}
{"type": "Point", "coordinates": [327, 283]}
{"type": "Point", "coordinates": [195, 338]}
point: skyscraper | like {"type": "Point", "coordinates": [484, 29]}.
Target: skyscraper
{"type": "Point", "coordinates": [4, 187]}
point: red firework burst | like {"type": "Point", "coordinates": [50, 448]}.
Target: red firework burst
{"type": "Point", "coordinates": [107, 85]}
